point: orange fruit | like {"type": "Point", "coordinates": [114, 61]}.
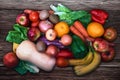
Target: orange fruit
{"type": "Point", "coordinates": [95, 29]}
{"type": "Point", "coordinates": [61, 28]}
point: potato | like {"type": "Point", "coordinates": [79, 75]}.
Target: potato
{"type": "Point", "coordinates": [54, 18]}
{"type": "Point", "coordinates": [41, 46]}
{"type": "Point", "coordinates": [44, 14]}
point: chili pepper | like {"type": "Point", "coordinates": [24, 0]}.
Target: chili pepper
{"type": "Point", "coordinates": [99, 15]}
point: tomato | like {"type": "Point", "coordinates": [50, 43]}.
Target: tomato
{"type": "Point", "coordinates": [61, 62]}
{"type": "Point", "coordinates": [35, 24]}
{"type": "Point", "coordinates": [34, 16]}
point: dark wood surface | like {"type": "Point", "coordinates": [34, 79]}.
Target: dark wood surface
{"type": "Point", "coordinates": [8, 12]}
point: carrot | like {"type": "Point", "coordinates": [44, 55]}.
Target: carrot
{"type": "Point", "coordinates": [78, 25]}
{"type": "Point", "coordinates": [76, 32]}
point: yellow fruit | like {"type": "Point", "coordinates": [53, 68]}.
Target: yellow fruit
{"type": "Point", "coordinates": [61, 28]}
{"type": "Point", "coordinates": [84, 61]}
{"type": "Point", "coordinates": [15, 45]}
{"type": "Point", "coordinates": [95, 29]}
{"type": "Point", "coordinates": [79, 70]}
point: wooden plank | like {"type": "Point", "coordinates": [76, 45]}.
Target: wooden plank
{"type": "Point", "coordinates": [74, 4]}
{"type": "Point", "coordinates": [100, 73]}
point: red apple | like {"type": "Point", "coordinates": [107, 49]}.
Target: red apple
{"type": "Point", "coordinates": [65, 53]}
{"type": "Point", "coordinates": [108, 56]}
{"type": "Point", "coordinates": [33, 33]}
{"type": "Point", "coordinates": [101, 45]}
{"type": "Point", "coordinates": [22, 19]}
{"type": "Point", "coordinates": [50, 34]}
{"type": "Point", "coordinates": [10, 60]}
{"type": "Point", "coordinates": [110, 34]}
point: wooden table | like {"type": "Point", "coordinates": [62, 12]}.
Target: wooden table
{"type": "Point", "coordinates": [8, 12]}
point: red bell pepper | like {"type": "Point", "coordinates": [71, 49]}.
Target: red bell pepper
{"type": "Point", "coordinates": [99, 15]}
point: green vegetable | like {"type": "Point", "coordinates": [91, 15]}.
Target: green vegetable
{"type": "Point", "coordinates": [24, 67]}
{"type": "Point", "coordinates": [18, 34]}
{"type": "Point", "coordinates": [78, 47]}
{"type": "Point", "coordinates": [70, 16]}
{"type": "Point", "coordinates": [60, 8]}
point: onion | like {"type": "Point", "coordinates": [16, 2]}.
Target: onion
{"type": "Point", "coordinates": [66, 40]}
{"type": "Point", "coordinates": [52, 50]}
{"type": "Point", "coordinates": [45, 25]}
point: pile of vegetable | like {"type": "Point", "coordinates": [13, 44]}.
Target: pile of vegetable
{"type": "Point", "coordinates": [60, 37]}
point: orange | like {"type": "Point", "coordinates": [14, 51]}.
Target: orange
{"type": "Point", "coordinates": [95, 29]}
{"type": "Point", "coordinates": [61, 28]}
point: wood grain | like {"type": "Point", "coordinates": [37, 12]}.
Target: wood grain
{"type": "Point", "coordinates": [74, 4]}
{"type": "Point", "coordinates": [8, 12]}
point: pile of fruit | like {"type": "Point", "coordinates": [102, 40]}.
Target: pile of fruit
{"type": "Point", "coordinates": [60, 37]}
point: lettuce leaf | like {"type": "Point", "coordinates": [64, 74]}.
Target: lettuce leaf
{"type": "Point", "coordinates": [69, 16]}
{"type": "Point", "coordinates": [18, 34]}
{"type": "Point", "coordinates": [60, 8]}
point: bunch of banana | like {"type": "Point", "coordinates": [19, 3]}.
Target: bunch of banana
{"type": "Point", "coordinates": [84, 69]}
{"type": "Point", "coordinates": [84, 61]}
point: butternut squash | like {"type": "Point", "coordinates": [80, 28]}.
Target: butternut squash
{"type": "Point", "coordinates": [27, 51]}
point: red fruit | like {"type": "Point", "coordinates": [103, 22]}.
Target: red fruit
{"type": "Point", "coordinates": [108, 56]}
{"type": "Point", "coordinates": [62, 62]}
{"type": "Point", "coordinates": [35, 24]}
{"type": "Point", "coordinates": [65, 53]}
{"type": "Point", "coordinates": [33, 33]}
{"type": "Point", "coordinates": [50, 34]}
{"type": "Point", "coordinates": [10, 60]}
{"type": "Point", "coordinates": [34, 16]}
{"type": "Point", "coordinates": [110, 34]}
{"type": "Point", "coordinates": [101, 45]}
{"type": "Point", "coordinates": [22, 19]}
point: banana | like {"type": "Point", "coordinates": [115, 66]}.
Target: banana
{"type": "Point", "coordinates": [84, 61]}
{"type": "Point", "coordinates": [79, 70]}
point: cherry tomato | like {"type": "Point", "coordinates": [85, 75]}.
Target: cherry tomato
{"type": "Point", "coordinates": [61, 62]}
{"type": "Point", "coordinates": [34, 16]}
{"type": "Point", "coordinates": [35, 24]}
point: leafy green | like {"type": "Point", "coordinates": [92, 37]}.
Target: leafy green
{"type": "Point", "coordinates": [70, 16]}
{"type": "Point", "coordinates": [23, 67]}
{"type": "Point", "coordinates": [18, 34]}
{"type": "Point", "coordinates": [85, 20]}
{"type": "Point", "coordinates": [60, 8]}
{"type": "Point", "coordinates": [78, 47]}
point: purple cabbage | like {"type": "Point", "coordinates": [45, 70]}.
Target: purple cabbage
{"type": "Point", "coordinates": [54, 42]}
